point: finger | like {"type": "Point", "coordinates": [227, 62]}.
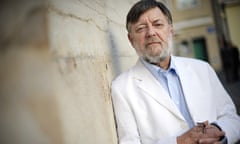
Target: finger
{"type": "Point", "coordinates": [218, 143]}
{"type": "Point", "coordinates": [197, 129]}
{"type": "Point", "coordinates": [214, 132]}
{"type": "Point", "coordinates": [206, 123]}
{"type": "Point", "coordinates": [208, 140]}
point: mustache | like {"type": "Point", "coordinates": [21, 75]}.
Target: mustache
{"type": "Point", "coordinates": [153, 40]}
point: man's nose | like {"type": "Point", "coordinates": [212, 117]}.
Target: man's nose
{"type": "Point", "coordinates": [151, 31]}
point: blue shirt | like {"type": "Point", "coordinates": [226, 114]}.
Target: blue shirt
{"type": "Point", "coordinates": [169, 79]}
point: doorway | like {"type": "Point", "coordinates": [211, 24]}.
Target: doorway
{"type": "Point", "coordinates": [200, 49]}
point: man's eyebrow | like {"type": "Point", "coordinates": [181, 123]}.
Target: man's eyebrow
{"type": "Point", "coordinates": [145, 23]}
{"type": "Point", "coordinates": [158, 20]}
{"type": "Point", "coordinates": [141, 23]}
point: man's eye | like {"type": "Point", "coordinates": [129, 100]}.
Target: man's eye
{"type": "Point", "coordinates": [159, 24]}
{"type": "Point", "coordinates": [140, 29]}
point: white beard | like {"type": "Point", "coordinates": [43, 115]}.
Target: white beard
{"type": "Point", "coordinates": [163, 54]}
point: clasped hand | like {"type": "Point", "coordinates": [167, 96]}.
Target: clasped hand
{"type": "Point", "coordinates": [202, 133]}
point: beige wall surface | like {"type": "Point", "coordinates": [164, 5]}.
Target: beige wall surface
{"type": "Point", "coordinates": [203, 9]}
{"type": "Point", "coordinates": [233, 19]}
{"type": "Point", "coordinates": [57, 61]}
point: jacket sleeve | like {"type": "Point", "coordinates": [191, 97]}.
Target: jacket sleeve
{"type": "Point", "coordinates": [127, 128]}
{"type": "Point", "coordinates": [227, 117]}
{"type": "Point", "coordinates": [126, 125]}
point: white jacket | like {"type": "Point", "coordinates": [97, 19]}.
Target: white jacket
{"type": "Point", "coordinates": [145, 113]}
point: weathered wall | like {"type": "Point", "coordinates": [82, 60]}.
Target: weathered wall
{"type": "Point", "coordinates": [57, 60]}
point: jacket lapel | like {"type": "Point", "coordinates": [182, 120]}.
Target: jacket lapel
{"type": "Point", "coordinates": [190, 85]}
{"type": "Point", "coordinates": [153, 89]}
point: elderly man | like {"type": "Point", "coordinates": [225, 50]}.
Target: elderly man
{"type": "Point", "coordinates": [165, 99]}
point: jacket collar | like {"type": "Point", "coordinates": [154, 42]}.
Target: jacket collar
{"type": "Point", "coordinates": [147, 82]}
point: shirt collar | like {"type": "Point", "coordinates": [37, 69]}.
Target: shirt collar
{"type": "Point", "coordinates": [156, 70]}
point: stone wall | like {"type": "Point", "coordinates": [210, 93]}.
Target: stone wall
{"type": "Point", "coordinates": [57, 61]}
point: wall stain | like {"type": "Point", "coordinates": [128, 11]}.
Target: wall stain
{"type": "Point", "coordinates": [69, 15]}
{"type": "Point", "coordinates": [102, 14]}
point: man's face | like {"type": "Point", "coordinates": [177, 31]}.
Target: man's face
{"type": "Point", "coordinates": [151, 36]}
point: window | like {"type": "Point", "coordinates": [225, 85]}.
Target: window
{"type": "Point", "coordinates": [187, 4]}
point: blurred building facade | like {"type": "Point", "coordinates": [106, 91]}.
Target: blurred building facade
{"type": "Point", "coordinates": [201, 25]}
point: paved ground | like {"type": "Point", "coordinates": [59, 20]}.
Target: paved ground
{"type": "Point", "coordinates": [233, 89]}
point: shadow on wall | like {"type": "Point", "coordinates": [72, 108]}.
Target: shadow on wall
{"type": "Point", "coordinates": [116, 65]}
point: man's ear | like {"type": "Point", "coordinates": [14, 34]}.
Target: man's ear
{"type": "Point", "coordinates": [130, 38]}
{"type": "Point", "coordinates": [171, 30]}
